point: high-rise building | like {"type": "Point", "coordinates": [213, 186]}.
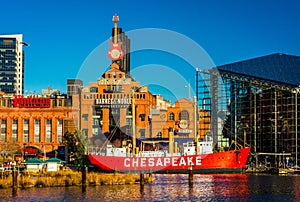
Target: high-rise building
{"type": "Point", "coordinates": [12, 64]}
{"type": "Point", "coordinates": [73, 86]}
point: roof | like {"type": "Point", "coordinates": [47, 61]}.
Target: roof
{"type": "Point", "coordinates": [275, 67]}
{"type": "Point", "coordinates": [34, 161]}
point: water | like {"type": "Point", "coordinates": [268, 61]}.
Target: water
{"type": "Point", "coordinates": [221, 187]}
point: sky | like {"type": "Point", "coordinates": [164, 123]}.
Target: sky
{"type": "Point", "coordinates": [169, 39]}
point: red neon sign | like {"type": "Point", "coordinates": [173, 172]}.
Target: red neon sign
{"type": "Point", "coordinates": [30, 102]}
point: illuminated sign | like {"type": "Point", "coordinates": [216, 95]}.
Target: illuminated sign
{"type": "Point", "coordinates": [30, 150]}
{"type": "Point", "coordinates": [113, 102]}
{"type": "Point", "coordinates": [30, 102]}
{"type": "Point", "coordinates": [113, 81]}
{"type": "Point", "coordinates": [183, 131]}
{"type": "Point", "coordinates": [126, 101]}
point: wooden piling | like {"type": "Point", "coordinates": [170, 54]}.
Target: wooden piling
{"type": "Point", "coordinates": [142, 179]}
{"type": "Point", "coordinates": [83, 174]}
{"type": "Point", "coordinates": [191, 180]}
{"type": "Point", "coordinates": [15, 182]}
{"type": "Point", "coordinates": [142, 183]}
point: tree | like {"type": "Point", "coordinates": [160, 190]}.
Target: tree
{"type": "Point", "coordinates": [76, 149]}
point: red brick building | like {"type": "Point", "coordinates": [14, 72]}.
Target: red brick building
{"type": "Point", "coordinates": [34, 120]}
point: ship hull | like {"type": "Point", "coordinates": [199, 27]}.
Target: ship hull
{"type": "Point", "coordinates": [221, 162]}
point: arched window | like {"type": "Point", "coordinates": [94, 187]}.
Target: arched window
{"type": "Point", "coordinates": [158, 135]}
{"type": "Point", "coordinates": [184, 115]}
{"type": "Point", "coordinates": [171, 116]}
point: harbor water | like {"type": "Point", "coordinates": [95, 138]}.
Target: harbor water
{"type": "Point", "coordinates": [218, 187]}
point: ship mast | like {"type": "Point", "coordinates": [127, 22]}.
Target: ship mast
{"type": "Point", "coordinates": [133, 125]}
{"type": "Point", "coordinates": [195, 124]}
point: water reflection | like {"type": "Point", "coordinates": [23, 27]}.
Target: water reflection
{"type": "Point", "coordinates": [239, 187]}
{"type": "Point", "coordinates": [206, 187]}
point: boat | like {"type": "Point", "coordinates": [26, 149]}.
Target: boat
{"type": "Point", "coordinates": [206, 161]}
{"type": "Point", "coordinates": [295, 169]}
{"type": "Point", "coordinates": [196, 155]}
{"type": "Point", "coordinates": [283, 171]}
{"type": "Point", "coordinates": [289, 170]}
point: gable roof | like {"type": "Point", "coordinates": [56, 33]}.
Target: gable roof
{"type": "Point", "coordinates": [276, 67]}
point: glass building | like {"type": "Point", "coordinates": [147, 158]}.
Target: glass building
{"type": "Point", "coordinates": [12, 64]}
{"type": "Point", "coordinates": [255, 102]}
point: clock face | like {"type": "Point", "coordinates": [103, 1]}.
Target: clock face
{"type": "Point", "coordinates": [115, 53]}
{"type": "Point", "coordinates": [183, 124]}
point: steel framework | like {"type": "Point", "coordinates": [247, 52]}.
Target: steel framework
{"type": "Point", "coordinates": [258, 112]}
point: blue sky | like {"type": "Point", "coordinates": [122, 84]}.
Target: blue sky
{"type": "Point", "coordinates": [65, 36]}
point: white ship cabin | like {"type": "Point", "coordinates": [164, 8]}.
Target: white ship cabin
{"type": "Point", "coordinates": [189, 148]}
{"type": "Point", "coordinates": [205, 147]}
{"type": "Point", "coordinates": [114, 151]}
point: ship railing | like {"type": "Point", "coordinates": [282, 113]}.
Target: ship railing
{"type": "Point", "coordinates": [100, 152]}
{"type": "Point", "coordinates": [189, 144]}
{"type": "Point", "coordinates": [206, 139]}
{"type": "Point", "coordinates": [95, 151]}
{"type": "Point", "coordinates": [153, 153]}
{"type": "Point", "coordinates": [160, 153]}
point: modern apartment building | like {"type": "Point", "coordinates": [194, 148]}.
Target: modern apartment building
{"type": "Point", "coordinates": [12, 63]}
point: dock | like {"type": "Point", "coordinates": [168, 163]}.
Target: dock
{"type": "Point", "coordinates": [272, 170]}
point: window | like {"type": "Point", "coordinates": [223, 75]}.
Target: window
{"type": "Point", "coordinates": [25, 130]}
{"type": "Point", "coordinates": [158, 135]}
{"type": "Point", "coordinates": [120, 88]}
{"type": "Point", "coordinates": [184, 115]}
{"type": "Point", "coordinates": [59, 130]}
{"type": "Point", "coordinates": [128, 121]}
{"type": "Point", "coordinates": [142, 116]}
{"type": "Point", "coordinates": [142, 133]}
{"type": "Point", "coordinates": [37, 130]}
{"type": "Point", "coordinates": [129, 110]}
{"type": "Point", "coordinates": [48, 130]}
{"type": "Point", "coordinates": [171, 116]}
{"type": "Point", "coordinates": [3, 131]}
{"type": "Point", "coordinates": [14, 130]}
{"type": "Point", "coordinates": [120, 75]}
{"type": "Point", "coordinates": [114, 111]}
{"type": "Point", "coordinates": [53, 103]}
{"type": "Point", "coordinates": [85, 117]}
{"type": "Point", "coordinates": [108, 75]}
